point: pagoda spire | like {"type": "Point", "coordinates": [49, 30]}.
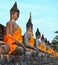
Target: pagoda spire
{"type": "Point", "coordinates": [37, 32]}
{"type": "Point", "coordinates": [14, 8]}
{"type": "Point", "coordinates": [29, 23]}
{"type": "Point", "coordinates": [30, 17]}
{"type": "Point", "coordinates": [42, 37]}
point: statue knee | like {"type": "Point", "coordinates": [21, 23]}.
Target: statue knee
{"type": "Point", "coordinates": [19, 50]}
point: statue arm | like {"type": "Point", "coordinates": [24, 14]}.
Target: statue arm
{"type": "Point", "coordinates": [9, 28]}
{"type": "Point", "coordinates": [26, 38]}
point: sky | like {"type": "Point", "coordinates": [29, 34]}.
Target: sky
{"type": "Point", "coordinates": [44, 15]}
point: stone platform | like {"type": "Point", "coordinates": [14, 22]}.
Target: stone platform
{"type": "Point", "coordinates": [27, 60]}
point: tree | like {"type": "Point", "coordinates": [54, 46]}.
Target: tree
{"type": "Point", "coordinates": [55, 41]}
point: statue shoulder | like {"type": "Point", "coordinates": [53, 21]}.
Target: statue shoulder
{"type": "Point", "coordinates": [27, 34]}
{"type": "Point", "coordinates": [8, 23]}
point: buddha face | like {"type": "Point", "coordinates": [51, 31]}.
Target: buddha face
{"type": "Point", "coordinates": [15, 16]}
{"type": "Point", "coordinates": [43, 40]}
{"type": "Point", "coordinates": [30, 29]}
{"type": "Point", "coordinates": [38, 36]}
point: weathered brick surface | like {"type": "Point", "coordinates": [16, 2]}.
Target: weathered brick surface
{"type": "Point", "coordinates": [27, 60]}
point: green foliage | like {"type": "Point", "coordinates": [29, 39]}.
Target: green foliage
{"type": "Point", "coordinates": [55, 42]}
{"type": "Point", "coordinates": [56, 31]}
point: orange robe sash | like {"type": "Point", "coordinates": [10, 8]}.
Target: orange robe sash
{"type": "Point", "coordinates": [31, 40]}
{"type": "Point", "coordinates": [9, 39]}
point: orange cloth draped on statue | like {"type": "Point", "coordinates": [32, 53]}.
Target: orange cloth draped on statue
{"type": "Point", "coordinates": [50, 51]}
{"type": "Point", "coordinates": [9, 39]}
{"type": "Point", "coordinates": [56, 54]}
{"type": "Point", "coordinates": [31, 40]}
{"type": "Point", "coordinates": [42, 47]}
